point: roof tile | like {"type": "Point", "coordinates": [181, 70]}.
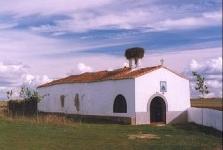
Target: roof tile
{"type": "Point", "coordinates": [118, 74]}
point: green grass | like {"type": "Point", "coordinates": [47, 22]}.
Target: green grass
{"type": "Point", "coordinates": [214, 103]}
{"type": "Point", "coordinates": [26, 134]}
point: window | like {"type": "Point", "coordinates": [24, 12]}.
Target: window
{"type": "Point", "coordinates": [163, 86]}
{"type": "Point", "coordinates": [77, 102]}
{"type": "Point", "coordinates": [62, 98]}
{"type": "Point", "coordinates": [120, 105]}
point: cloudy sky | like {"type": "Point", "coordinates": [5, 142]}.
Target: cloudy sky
{"type": "Point", "coordinates": [45, 40]}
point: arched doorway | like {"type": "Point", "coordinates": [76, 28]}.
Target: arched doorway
{"type": "Point", "coordinates": [120, 105]}
{"type": "Point", "coordinates": [157, 110]}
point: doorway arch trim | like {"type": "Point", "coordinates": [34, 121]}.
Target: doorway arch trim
{"type": "Point", "coordinates": [152, 97]}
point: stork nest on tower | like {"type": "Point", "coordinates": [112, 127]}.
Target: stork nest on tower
{"type": "Point", "coordinates": [134, 53]}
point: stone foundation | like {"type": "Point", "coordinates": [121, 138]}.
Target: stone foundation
{"type": "Point", "coordinates": [176, 117]}
{"type": "Point", "coordinates": [171, 117]}
{"type": "Point", "coordinates": [94, 118]}
{"type": "Point", "coordinates": [141, 118]}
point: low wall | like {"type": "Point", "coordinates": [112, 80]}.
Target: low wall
{"type": "Point", "coordinates": [211, 117]}
{"type": "Point", "coordinates": [22, 107]}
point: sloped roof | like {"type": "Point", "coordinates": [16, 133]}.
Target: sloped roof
{"type": "Point", "coordinates": [118, 74]}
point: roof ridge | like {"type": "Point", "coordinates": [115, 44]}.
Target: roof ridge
{"type": "Point", "coordinates": [104, 75]}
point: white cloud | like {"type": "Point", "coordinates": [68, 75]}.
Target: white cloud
{"type": "Point", "coordinates": [5, 68]}
{"type": "Point", "coordinates": [210, 95]}
{"type": "Point", "coordinates": [215, 15]}
{"type": "Point", "coordinates": [194, 65]}
{"type": "Point", "coordinates": [68, 65]}
{"type": "Point", "coordinates": [7, 25]}
{"type": "Point", "coordinates": [208, 67]}
{"type": "Point", "coordinates": [84, 68]}
{"type": "Point", "coordinates": [47, 7]}
{"type": "Point", "coordinates": [214, 84]}
{"type": "Point", "coordinates": [11, 73]}
{"type": "Point", "coordinates": [16, 43]}
{"type": "Point", "coordinates": [44, 53]}
{"type": "Point", "coordinates": [4, 90]}
{"type": "Point", "coordinates": [97, 62]}
{"type": "Point", "coordinates": [86, 21]}
{"type": "Point", "coordinates": [130, 19]}
{"type": "Point", "coordinates": [110, 14]}
{"type": "Point", "coordinates": [205, 19]}
{"type": "Point", "coordinates": [211, 69]}
{"type": "Point", "coordinates": [80, 68]}
{"type": "Point", "coordinates": [34, 80]}
{"type": "Point", "coordinates": [13, 76]}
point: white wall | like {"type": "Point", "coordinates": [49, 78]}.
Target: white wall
{"type": "Point", "coordinates": [211, 117]}
{"type": "Point", "coordinates": [96, 98]}
{"type": "Point", "coordinates": [177, 95]}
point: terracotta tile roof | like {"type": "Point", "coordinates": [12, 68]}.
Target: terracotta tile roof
{"type": "Point", "coordinates": [118, 74]}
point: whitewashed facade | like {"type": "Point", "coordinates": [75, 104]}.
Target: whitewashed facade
{"type": "Point", "coordinates": [177, 96]}
{"type": "Point", "coordinates": [97, 98]}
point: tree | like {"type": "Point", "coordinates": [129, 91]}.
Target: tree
{"type": "Point", "coordinates": [201, 87]}
{"type": "Point", "coordinates": [29, 94]}
{"type": "Point", "coordinates": [9, 94]}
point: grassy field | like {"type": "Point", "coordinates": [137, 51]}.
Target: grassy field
{"type": "Point", "coordinates": [3, 106]}
{"type": "Point", "coordinates": [214, 103]}
{"type": "Point", "coordinates": [3, 103]}
{"type": "Point", "coordinates": [27, 134]}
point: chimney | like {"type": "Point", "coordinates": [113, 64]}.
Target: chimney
{"type": "Point", "coordinates": [138, 63]}
{"type": "Point", "coordinates": [130, 63]}
{"type": "Point", "coordinates": [134, 55]}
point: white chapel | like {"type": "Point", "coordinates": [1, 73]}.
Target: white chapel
{"type": "Point", "coordinates": [132, 94]}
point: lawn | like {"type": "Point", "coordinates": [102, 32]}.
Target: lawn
{"type": "Point", "coordinates": [26, 134]}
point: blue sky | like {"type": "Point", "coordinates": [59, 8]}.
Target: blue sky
{"type": "Point", "coordinates": [45, 40]}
